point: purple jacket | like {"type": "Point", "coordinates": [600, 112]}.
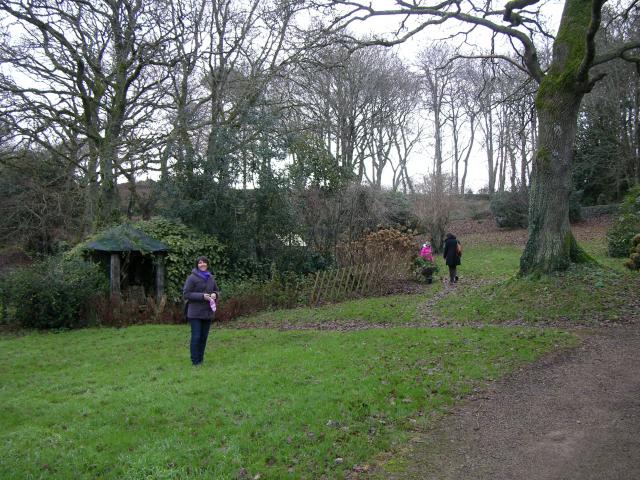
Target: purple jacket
{"type": "Point", "coordinates": [194, 289]}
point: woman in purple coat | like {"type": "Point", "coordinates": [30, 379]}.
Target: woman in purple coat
{"type": "Point", "coordinates": [201, 292]}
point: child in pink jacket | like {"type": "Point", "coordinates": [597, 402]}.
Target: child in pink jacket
{"type": "Point", "coordinates": [426, 252]}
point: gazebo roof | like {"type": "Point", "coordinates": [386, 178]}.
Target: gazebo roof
{"type": "Point", "coordinates": [125, 238]}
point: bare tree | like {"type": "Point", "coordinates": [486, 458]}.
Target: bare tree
{"type": "Point", "coordinates": [437, 74]}
{"type": "Point", "coordinates": [434, 200]}
{"type": "Point", "coordinates": [360, 105]}
{"type": "Point", "coordinates": [486, 102]}
{"type": "Point", "coordinates": [334, 96]}
{"type": "Point", "coordinates": [83, 85]}
{"type": "Point", "coordinates": [450, 97]}
{"type": "Point", "coordinates": [408, 134]}
{"type": "Point", "coordinates": [461, 114]}
{"type": "Point", "coordinates": [394, 102]}
{"type": "Point", "coordinates": [185, 94]}
{"type": "Point", "coordinates": [251, 43]}
{"type": "Point", "coordinates": [551, 245]}
{"type": "Point", "coordinates": [616, 101]}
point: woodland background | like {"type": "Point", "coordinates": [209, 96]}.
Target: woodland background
{"type": "Point", "coordinates": [244, 122]}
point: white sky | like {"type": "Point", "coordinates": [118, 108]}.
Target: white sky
{"type": "Point", "coordinates": [422, 157]}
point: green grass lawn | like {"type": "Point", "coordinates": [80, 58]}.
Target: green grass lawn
{"type": "Point", "coordinates": [126, 403]}
{"type": "Point", "coordinates": [107, 403]}
{"type": "Point", "coordinates": [486, 262]}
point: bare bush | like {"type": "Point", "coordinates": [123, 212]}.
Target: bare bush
{"type": "Point", "coordinates": [433, 203]}
{"type": "Point", "coordinates": [371, 248]}
{"type": "Point", "coordinates": [346, 215]}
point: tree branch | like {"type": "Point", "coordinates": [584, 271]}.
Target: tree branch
{"type": "Point", "coordinates": [439, 14]}
{"type": "Point", "coordinates": [590, 40]}
{"type": "Point", "coordinates": [621, 52]}
{"type": "Point", "coordinates": [513, 17]}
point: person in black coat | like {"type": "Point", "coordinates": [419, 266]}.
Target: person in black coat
{"type": "Point", "coordinates": [451, 256]}
{"type": "Point", "coordinates": [201, 292]}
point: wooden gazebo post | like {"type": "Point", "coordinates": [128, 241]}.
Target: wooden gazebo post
{"type": "Point", "coordinates": [160, 269]}
{"type": "Point", "coordinates": [114, 275]}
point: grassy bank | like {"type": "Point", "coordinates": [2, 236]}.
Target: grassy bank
{"type": "Point", "coordinates": [389, 310]}
{"type": "Point", "coordinates": [583, 294]}
{"type": "Point", "coordinates": [489, 292]}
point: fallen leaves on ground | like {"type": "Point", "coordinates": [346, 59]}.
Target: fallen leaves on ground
{"type": "Point", "coordinates": [482, 232]}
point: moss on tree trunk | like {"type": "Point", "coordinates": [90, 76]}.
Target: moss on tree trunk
{"type": "Point", "coordinates": [551, 246]}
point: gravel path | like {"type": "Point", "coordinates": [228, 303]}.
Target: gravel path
{"type": "Point", "coordinates": [573, 415]}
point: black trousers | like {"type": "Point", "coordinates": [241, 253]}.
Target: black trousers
{"type": "Point", "coordinates": [453, 273]}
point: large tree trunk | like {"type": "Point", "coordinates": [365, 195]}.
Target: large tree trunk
{"type": "Point", "coordinates": [108, 207]}
{"type": "Point", "coordinates": [551, 245]}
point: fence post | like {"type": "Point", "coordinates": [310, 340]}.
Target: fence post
{"type": "Point", "coordinates": [341, 288]}
{"type": "Point", "coordinates": [334, 278]}
{"type": "Point", "coordinates": [319, 292]}
{"type": "Point", "coordinates": [348, 282]}
{"type": "Point", "coordinates": [313, 289]}
{"type": "Point", "coordinates": [366, 279]}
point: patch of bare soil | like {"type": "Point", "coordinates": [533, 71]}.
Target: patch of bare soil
{"type": "Point", "coordinates": [573, 415]}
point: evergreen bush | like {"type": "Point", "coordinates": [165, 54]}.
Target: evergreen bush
{"type": "Point", "coordinates": [55, 293]}
{"type": "Point", "coordinates": [626, 226]}
{"type": "Point", "coordinates": [510, 209]}
{"type": "Point", "coordinates": [185, 246]}
{"type": "Point", "coordinates": [575, 207]}
{"type": "Point", "coordinates": [633, 262]}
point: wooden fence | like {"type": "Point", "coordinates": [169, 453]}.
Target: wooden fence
{"type": "Point", "coordinates": [358, 280]}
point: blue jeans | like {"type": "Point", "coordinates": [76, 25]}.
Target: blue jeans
{"type": "Point", "coordinates": [199, 333]}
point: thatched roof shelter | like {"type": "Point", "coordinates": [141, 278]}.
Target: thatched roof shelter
{"type": "Point", "coordinates": [123, 241]}
{"type": "Point", "coordinates": [126, 238]}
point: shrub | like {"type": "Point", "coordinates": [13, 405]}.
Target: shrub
{"type": "Point", "coordinates": [510, 209]}
{"type": "Point", "coordinates": [248, 296]}
{"type": "Point", "coordinates": [185, 245]}
{"type": "Point", "coordinates": [633, 262]}
{"type": "Point", "coordinates": [575, 208]}
{"type": "Point", "coordinates": [620, 235]}
{"type": "Point", "coordinates": [291, 258]}
{"type": "Point", "coordinates": [40, 202]}
{"type": "Point", "coordinates": [119, 312]}
{"type": "Point", "coordinates": [423, 268]}
{"type": "Point", "coordinates": [374, 245]}
{"type": "Point", "coordinates": [55, 293]}
{"type": "Point", "coordinates": [433, 204]}
{"type": "Point", "coordinates": [599, 210]}
{"type": "Point", "coordinates": [626, 226]}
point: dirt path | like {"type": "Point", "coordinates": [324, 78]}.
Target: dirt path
{"type": "Point", "coordinates": [574, 415]}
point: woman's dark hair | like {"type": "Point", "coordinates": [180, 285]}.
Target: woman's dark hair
{"type": "Point", "coordinates": [449, 235]}
{"type": "Point", "coordinates": [202, 259]}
